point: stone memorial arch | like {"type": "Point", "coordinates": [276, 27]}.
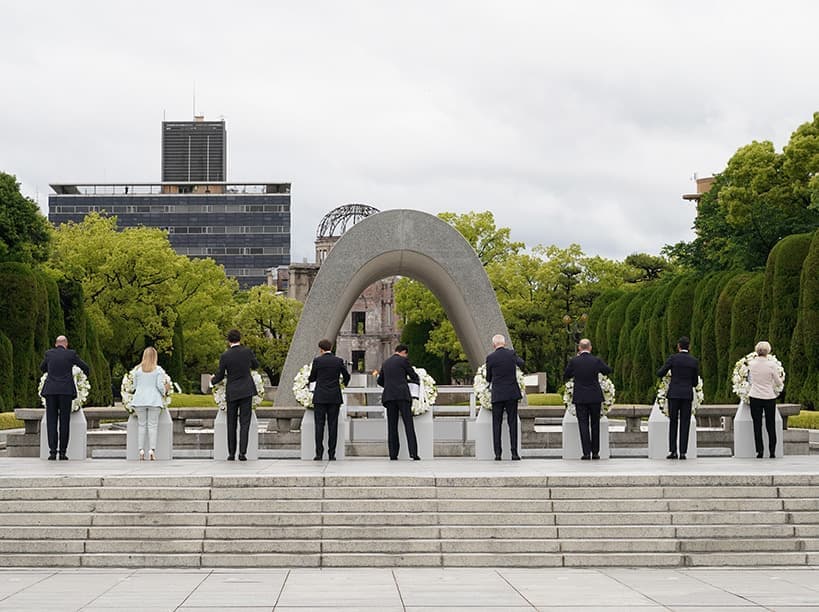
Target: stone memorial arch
{"type": "Point", "coordinates": [397, 243]}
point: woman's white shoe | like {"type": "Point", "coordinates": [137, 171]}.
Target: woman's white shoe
{"type": "Point", "coordinates": [141, 455]}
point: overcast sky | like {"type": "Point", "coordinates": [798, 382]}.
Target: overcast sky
{"type": "Point", "coordinates": [572, 122]}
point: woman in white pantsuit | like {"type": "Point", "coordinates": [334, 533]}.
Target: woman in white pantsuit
{"type": "Point", "coordinates": [149, 380]}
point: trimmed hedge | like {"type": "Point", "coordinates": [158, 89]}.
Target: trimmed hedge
{"type": "Point", "coordinates": [6, 374]}
{"type": "Point", "coordinates": [707, 347]}
{"type": "Point", "coordinates": [744, 315]}
{"type": "Point", "coordinates": [18, 295]}
{"type": "Point", "coordinates": [680, 308]}
{"type": "Point", "coordinates": [807, 342]}
{"type": "Point", "coordinates": [722, 334]}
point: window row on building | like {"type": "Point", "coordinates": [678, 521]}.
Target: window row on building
{"type": "Point", "coordinates": [229, 229]}
{"type": "Point", "coordinates": [205, 251]}
{"type": "Point", "coordinates": [172, 208]}
{"type": "Point", "coordinates": [242, 273]}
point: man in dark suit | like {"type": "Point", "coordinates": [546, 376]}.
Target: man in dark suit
{"type": "Point", "coordinates": [59, 391]}
{"type": "Point", "coordinates": [588, 396]}
{"type": "Point", "coordinates": [325, 372]}
{"type": "Point", "coordinates": [501, 374]}
{"type": "Point", "coordinates": [236, 363]}
{"type": "Point", "coordinates": [685, 371]}
{"type": "Point", "coordinates": [394, 376]}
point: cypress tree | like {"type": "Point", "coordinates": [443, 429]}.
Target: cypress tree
{"type": "Point", "coordinates": [706, 349]}
{"type": "Point", "coordinates": [18, 318]}
{"type": "Point", "coordinates": [744, 315]}
{"type": "Point", "coordinates": [722, 333]}
{"type": "Point", "coordinates": [613, 325]}
{"type": "Point", "coordinates": [657, 334]}
{"type": "Point", "coordinates": [6, 374]}
{"type": "Point", "coordinates": [808, 323]}
{"type": "Point", "coordinates": [680, 309]}
{"type": "Point", "coordinates": [625, 352]}
{"type": "Point", "coordinates": [642, 373]}
{"type": "Point", "coordinates": [597, 321]}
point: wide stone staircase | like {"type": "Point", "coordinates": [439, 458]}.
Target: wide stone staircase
{"type": "Point", "coordinates": [329, 521]}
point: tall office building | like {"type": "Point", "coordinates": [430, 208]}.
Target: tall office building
{"type": "Point", "coordinates": [243, 226]}
{"type": "Point", "coordinates": [194, 150]}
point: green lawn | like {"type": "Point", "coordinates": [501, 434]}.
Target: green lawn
{"type": "Point", "coordinates": [192, 400]}
{"type": "Point", "coordinates": [807, 419]}
{"type": "Point", "coordinates": [7, 421]}
{"type": "Point", "coordinates": [544, 399]}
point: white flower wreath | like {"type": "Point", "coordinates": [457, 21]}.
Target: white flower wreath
{"type": "Point", "coordinates": [483, 391]}
{"type": "Point", "coordinates": [301, 386]}
{"type": "Point", "coordinates": [220, 389]}
{"type": "Point", "coordinates": [80, 383]}
{"type": "Point", "coordinates": [430, 393]}
{"type": "Point", "coordinates": [606, 385]}
{"type": "Point", "coordinates": [128, 388]}
{"type": "Point", "coordinates": [662, 394]}
{"type": "Point", "coordinates": [740, 378]}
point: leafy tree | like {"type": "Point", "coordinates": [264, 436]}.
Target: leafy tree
{"type": "Point", "coordinates": [24, 231]}
{"type": "Point", "coordinates": [267, 322]}
{"type": "Point", "coordinates": [649, 267]}
{"type": "Point", "coordinates": [492, 244]}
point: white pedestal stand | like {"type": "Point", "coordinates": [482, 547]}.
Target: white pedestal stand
{"type": "Point", "coordinates": [164, 438]}
{"type": "Point", "coordinates": [308, 434]}
{"type": "Point", "coordinates": [572, 447]}
{"type": "Point", "coordinates": [220, 448]}
{"type": "Point", "coordinates": [423, 434]}
{"type": "Point", "coordinates": [77, 437]}
{"type": "Point", "coordinates": [480, 431]}
{"type": "Point", "coordinates": [744, 446]}
{"type": "Point", "coordinates": [658, 427]}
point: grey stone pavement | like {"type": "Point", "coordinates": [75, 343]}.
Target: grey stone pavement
{"type": "Point", "coordinates": [417, 590]}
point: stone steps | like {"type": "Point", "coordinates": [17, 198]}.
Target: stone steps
{"type": "Point", "coordinates": [381, 521]}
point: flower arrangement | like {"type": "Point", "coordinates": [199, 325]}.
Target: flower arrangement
{"type": "Point", "coordinates": [220, 389]}
{"type": "Point", "coordinates": [301, 386]}
{"type": "Point", "coordinates": [662, 394]}
{"type": "Point", "coordinates": [482, 389]}
{"type": "Point", "coordinates": [429, 393]}
{"type": "Point", "coordinates": [128, 388]}
{"type": "Point", "coordinates": [80, 383]}
{"type": "Point", "coordinates": [741, 383]}
{"type": "Point", "coordinates": [606, 385]}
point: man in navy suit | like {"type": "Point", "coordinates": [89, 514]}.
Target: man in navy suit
{"type": "Point", "coordinates": [236, 364]}
{"type": "Point", "coordinates": [501, 374]}
{"type": "Point", "coordinates": [588, 396]}
{"type": "Point", "coordinates": [325, 372]}
{"type": "Point", "coordinates": [59, 391]}
{"type": "Point", "coordinates": [394, 376]}
{"type": "Point", "coordinates": [685, 372]}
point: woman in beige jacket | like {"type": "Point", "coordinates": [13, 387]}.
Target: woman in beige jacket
{"type": "Point", "coordinates": [766, 384]}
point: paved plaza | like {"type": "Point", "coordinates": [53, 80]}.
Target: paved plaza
{"type": "Point", "coordinates": [385, 590]}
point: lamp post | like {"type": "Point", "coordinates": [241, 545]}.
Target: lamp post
{"type": "Point", "coordinates": [574, 330]}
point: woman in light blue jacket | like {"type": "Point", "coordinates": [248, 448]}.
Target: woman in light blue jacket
{"type": "Point", "coordinates": [149, 380]}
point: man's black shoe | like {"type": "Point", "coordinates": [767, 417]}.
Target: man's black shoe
{"type": "Point", "coordinates": [585, 457]}
{"type": "Point", "coordinates": [53, 456]}
{"type": "Point", "coordinates": [331, 458]}
{"type": "Point", "coordinates": [231, 458]}
{"type": "Point", "coordinates": [242, 458]}
{"type": "Point", "coordinates": [63, 457]}
{"type": "Point", "coordinates": [497, 457]}
{"type": "Point", "coordinates": [317, 458]}
{"type": "Point", "coordinates": [682, 457]}
{"type": "Point", "coordinates": [759, 455]}
{"type": "Point", "coordinates": [671, 456]}
{"type": "Point", "coordinates": [515, 457]}
{"type": "Point", "coordinates": [595, 456]}
{"type": "Point", "coordinates": [393, 458]}
{"type": "Point", "coordinates": [416, 458]}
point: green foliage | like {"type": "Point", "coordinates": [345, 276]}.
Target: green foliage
{"type": "Point", "coordinates": [597, 321]}
{"type": "Point", "coordinates": [24, 231]}
{"type": "Point", "coordinates": [56, 320]}
{"type": "Point", "coordinates": [649, 267]}
{"type": "Point", "coordinates": [624, 366]}
{"type": "Point", "coordinates": [492, 244]}
{"type": "Point", "coordinates": [18, 319]}
{"type": "Point", "coordinates": [806, 419]}
{"type": "Point", "coordinates": [415, 335]}
{"type": "Point", "coordinates": [722, 332]}
{"type": "Point", "coordinates": [8, 421]}
{"type": "Point", "coordinates": [806, 342]}
{"type": "Point", "coordinates": [616, 315]}
{"type": "Point", "coordinates": [706, 303]}
{"type": "Point", "coordinates": [174, 362]}
{"type": "Point", "coordinates": [744, 315]}
{"type": "Point", "coordinates": [6, 373]}
{"type": "Point", "coordinates": [657, 328]}
{"type": "Point", "coordinates": [642, 380]}
{"type": "Point", "coordinates": [101, 393]}
{"type": "Point", "coordinates": [544, 399]}
{"type": "Point", "coordinates": [267, 322]}
{"type": "Point", "coordinates": [680, 309]}
{"type": "Point", "coordinates": [780, 301]}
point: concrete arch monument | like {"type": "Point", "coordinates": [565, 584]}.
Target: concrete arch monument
{"type": "Point", "coordinates": [397, 243]}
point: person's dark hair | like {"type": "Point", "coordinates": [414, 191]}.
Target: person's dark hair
{"type": "Point", "coordinates": [234, 335]}
{"type": "Point", "coordinates": [325, 345]}
{"type": "Point", "coordinates": [684, 343]}
{"type": "Point", "coordinates": [401, 348]}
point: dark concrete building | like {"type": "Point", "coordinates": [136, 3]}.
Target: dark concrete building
{"type": "Point", "coordinates": [243, 226]}
{"type": "Point", "coordinates": [194, 150]}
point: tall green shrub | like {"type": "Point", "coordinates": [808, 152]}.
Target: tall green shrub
{"type": "Point", "coordinates": [657, 328]}
{"type": "Point", "coordinates": [597, 321]}
{"type": "Point", "coordinates": [722, 333]}
{"type": "Point", "coordinates": [625, 353]}
{"type": "Point", "coordinates": [18, 318]}
{"type": "Point", "coordinates": [6, 373]}
{"type": "Point", "coordinates": [680, 309]}
{"type": "Point", "coordinates": [614, 324]}
{"type": "Point", "coordinates": [706, 347]}
{"type": "Point", "coordinates": [642, 373]}
{"type": "Point", "coordinates": [101, 393]}
{"type": "Point", "coordinates": [744, 315]}
{"type": "Point", "coordinates": [807, 345]}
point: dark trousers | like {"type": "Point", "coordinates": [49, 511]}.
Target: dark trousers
{"type": "Point", "coordinates": [511, 409]}
{"type": "Point", "coordinates": [404, 408]}
{"type": "Point", "coordinates": [588, 420]}
{"type": "Point", "coordinates": [329, 413]}
{"type": "Point", "coordinates": [58, 409]}
{"type": "Point", "coordinates": [679, 409]}
{"type": "Point", "coordinates": [241, 410]}
{"type": "Point", "coordinates": [768, 406]}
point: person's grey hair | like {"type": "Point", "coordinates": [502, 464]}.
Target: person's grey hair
{"type": "Point", "coordinates": [498, 340]}
{"type": "Point", "coordinates": [61, 341]}
{"type": "Point", "coordinates": [584, 344]}
{"type": "Point", "coordinates": [762, 348]}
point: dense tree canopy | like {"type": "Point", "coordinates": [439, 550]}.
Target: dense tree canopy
{"type": "Point", "coordinates": [24, 231]}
